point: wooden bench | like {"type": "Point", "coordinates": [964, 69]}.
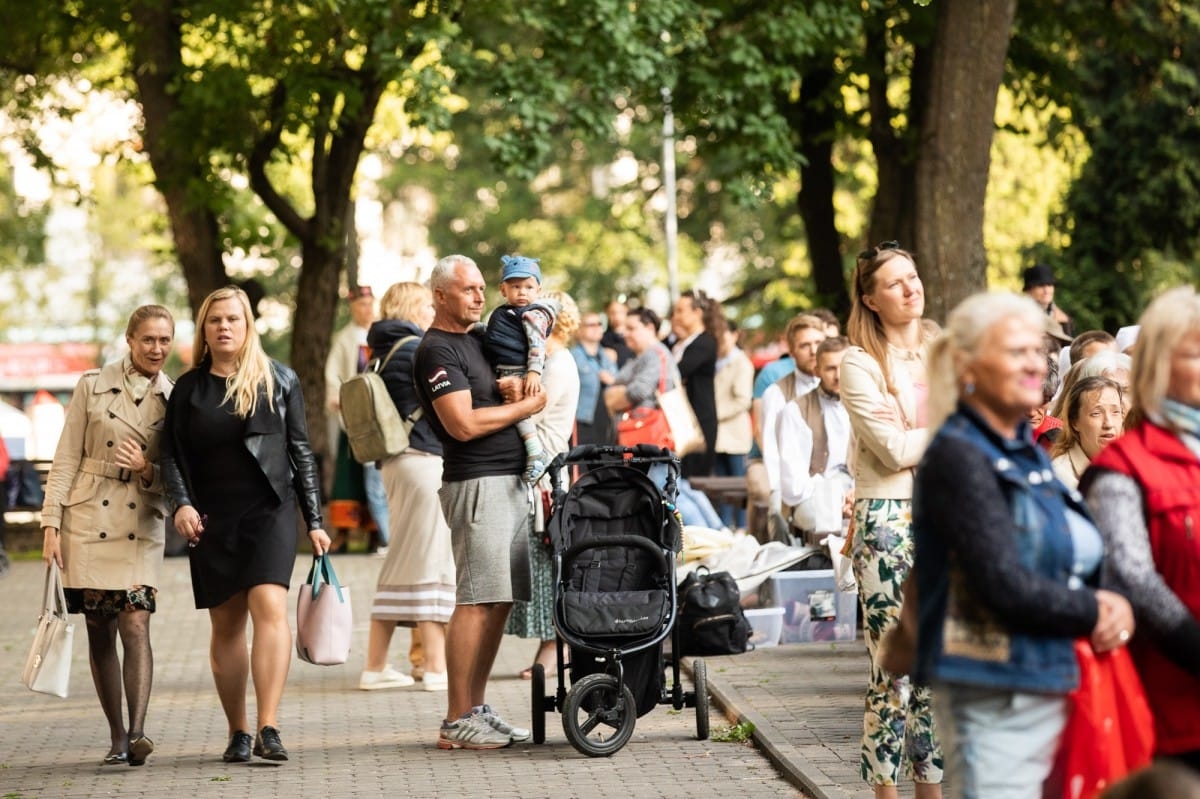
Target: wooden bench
{"type": "Point", "coordinates": [22, 520]}
{"type": "Point", "coordinates": [732, 491]}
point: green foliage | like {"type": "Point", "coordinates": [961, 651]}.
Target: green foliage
{"type": "Point", "coordinates": [1132, 215]}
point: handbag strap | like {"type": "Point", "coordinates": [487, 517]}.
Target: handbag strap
{"type": "Point", "coordinates": [376, 365]}
{"type": "Point", "coordinates": [322, 571]}
{"type": "Point", "coordinates": [54, 600]}
{"type": "Point", "coordinates": [662, 372]}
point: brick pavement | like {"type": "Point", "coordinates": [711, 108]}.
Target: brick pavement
{"type": "Point", "coordinates": [804, 699]}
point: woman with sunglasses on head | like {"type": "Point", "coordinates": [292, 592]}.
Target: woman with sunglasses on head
{"type": "Point", "coordinates": [884, 389]}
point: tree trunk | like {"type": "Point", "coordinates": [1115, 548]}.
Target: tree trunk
{"type": "Point", "coordinates": [156, 64]}
{"type": "Point", "coordinates": [967, 65]}
{"type": "Point", "coordinates": [892, 217]}
{"type": "Point", "coordinates": [316, 307]}
{"type": "Point", "coordinates": [814, 118]}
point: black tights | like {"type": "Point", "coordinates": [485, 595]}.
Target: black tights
{"type": "Point", "coordinates": [109, 676]}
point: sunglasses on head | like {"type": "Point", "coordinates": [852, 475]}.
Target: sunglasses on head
{"type": "Point", "coordinates": [867, 255]}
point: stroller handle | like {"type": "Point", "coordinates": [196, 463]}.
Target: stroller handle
{"type": "Point", "coordinates": [609, 453]}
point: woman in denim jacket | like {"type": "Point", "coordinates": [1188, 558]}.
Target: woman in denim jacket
{"type": "Point", "coordinates": [1006, 557]}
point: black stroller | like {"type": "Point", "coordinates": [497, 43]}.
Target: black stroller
{"type": "Point", "coordinates": [614, 535]}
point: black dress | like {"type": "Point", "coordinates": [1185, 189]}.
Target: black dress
{"type": "Point", "coordinates": [249, 536]}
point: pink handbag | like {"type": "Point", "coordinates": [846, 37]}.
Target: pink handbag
{"type": "Point", "coordinates": [323, 616]}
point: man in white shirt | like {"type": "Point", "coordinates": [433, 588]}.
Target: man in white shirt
{"type": "Point", "coordinates": [804, 334]}
{"type": "Point", "coordinates": [814, 432]}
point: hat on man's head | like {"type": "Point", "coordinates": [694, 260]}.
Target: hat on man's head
{"type": "Point", "coordinates": [358, 292]}
{"type": "Point", "coordinates": [518, 266]}
{"type": "Point", "coordinates": [1038, 275]}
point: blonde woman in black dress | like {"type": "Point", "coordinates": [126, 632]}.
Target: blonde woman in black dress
{"type": "Point", "coordinates": [236, 459]}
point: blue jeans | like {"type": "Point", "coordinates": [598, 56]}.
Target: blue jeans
{"type": "Point", "coordinates": [727, 464]}
{"type": "Point", "coordinates": [376, 500]}
{"type": "Point", "coordinates": [693, 505]}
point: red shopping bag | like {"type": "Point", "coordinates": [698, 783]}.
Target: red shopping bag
{"type": "Point", "coordinates": [1110, 731]}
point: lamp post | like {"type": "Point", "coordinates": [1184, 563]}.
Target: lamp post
{"type": "Point", "coordinates": [672, 223]}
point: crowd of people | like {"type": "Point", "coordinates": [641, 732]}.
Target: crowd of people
{"type": "Point", "coordinates": [1010, 493]}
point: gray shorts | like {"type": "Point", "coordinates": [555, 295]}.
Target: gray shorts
{"type": "Point", "coordinates": [490, 519]}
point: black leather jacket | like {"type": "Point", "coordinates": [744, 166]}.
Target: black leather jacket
{"type": "Point", "coordinates": [277, 439]}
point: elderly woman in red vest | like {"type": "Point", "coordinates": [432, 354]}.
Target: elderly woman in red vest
{"type": "Point", "coordinates": [1144, 489]}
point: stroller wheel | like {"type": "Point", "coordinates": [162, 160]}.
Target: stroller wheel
{"type": "Point", "coordinates": [538, 686]}
{"type": "Point", "coordinates": [597, 719]}
{"type": "Point", "coordinates": [700, 678]}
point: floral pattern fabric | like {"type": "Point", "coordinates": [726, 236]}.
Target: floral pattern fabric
{"type": "Point", "coordinates": [898, 731]}
{"type": "Point", "coordinates": [110, 602]}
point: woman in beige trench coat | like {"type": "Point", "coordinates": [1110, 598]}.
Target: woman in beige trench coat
{"type": "Point", "coordinates": [102, 520]}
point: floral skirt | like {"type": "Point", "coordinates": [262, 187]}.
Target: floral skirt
{"type": "Point", "coordinates": [110, 602]}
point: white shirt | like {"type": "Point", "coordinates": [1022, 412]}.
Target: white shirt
{"type": "Point", "coordinates": [796, 439]}
{"type": "Point", "coordinates": [772, 403]}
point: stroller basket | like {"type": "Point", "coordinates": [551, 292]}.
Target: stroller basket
{"type": "Point", "coordinates": [627, 613]}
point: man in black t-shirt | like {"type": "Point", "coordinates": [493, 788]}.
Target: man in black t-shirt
{"type": "Point", "coordinates": [486, 503]}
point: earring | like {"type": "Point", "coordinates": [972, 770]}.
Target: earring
{"type": "Point", "coordinates": [968, 389]}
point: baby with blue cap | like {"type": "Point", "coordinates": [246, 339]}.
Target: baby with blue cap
{"type": "Point", "coordinates": [515, 342]}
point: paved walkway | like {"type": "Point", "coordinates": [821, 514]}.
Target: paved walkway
{"type": "Point", "coordinates": [804, 701]}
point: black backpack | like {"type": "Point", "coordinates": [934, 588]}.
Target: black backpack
{"type": "Point", "coordinates": [710, 619]}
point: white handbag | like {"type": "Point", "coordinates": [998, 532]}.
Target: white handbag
{"type": "Point", "coordinates": [48, 667]}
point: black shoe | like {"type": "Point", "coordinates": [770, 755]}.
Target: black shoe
{"type": "Point", "coordinates": [140, 748]}
{"type": "Point", "coordinates": [238, 750]}
{"type": "Point", "coordinates": [268, 746]}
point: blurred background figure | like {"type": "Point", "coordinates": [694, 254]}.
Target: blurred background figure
{"type": "Point", "coordinates": [357, 497]}
{"type": "Point", "coordinates": [697, 322]}
{"type": "Point", "coordinates": [416, 584]}
{"type": "Point", "coordinates": [593, 424]}
{"type": "Point", "coordinates": [733, 386]}
{"type": "Point", "coordinates": [1039, 283]}
{"type": "Point", "coordinates": [102, 521]}
{"type": "Point", "coordinates": [614, 336]}
{"type": "Point", "coordinates": [1144, 489]}
{"type": "Point", "coordinates": [561, 382]}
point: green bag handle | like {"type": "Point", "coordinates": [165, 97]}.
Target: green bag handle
{"type": "Point", "coordinates": [322, 571]}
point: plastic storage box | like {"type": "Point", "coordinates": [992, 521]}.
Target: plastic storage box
{"type": "Point", "coordinates": [831, 615]}
{"type": "Point", "coordinates": [766, 626]}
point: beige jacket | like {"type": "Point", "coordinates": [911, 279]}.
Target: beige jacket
{"type": "Point", "coordinates": [733, 386]}
{"type": "Point", "coordinates": [111, 524]}
{"type": "Point", "coordinates": [1071, 465]}
{"type": "Point", "coordinates": [885, 454]}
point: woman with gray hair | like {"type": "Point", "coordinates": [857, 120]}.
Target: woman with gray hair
{"type": "Point", "coordinates": [1007, 558]}
{"type": "Point", "coordinates": [1145, 491]}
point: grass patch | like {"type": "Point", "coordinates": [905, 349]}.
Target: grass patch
{"type": "Point", "coordinates": [738, 733]}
